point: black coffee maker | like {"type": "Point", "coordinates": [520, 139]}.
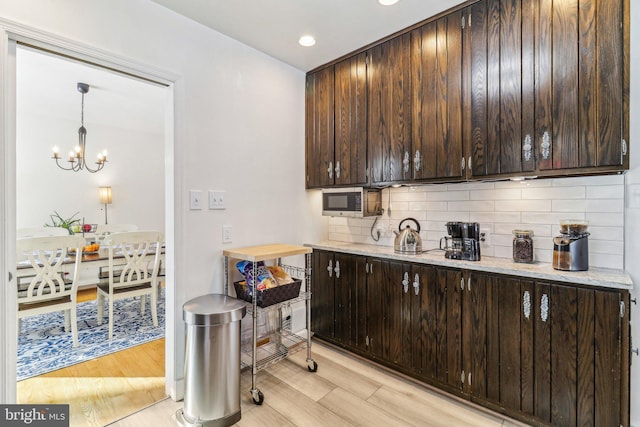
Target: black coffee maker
{"type": "Point", "coordinates": [462, 242]}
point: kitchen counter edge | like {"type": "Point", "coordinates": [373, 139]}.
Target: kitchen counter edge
{"type": "Point", "coordinates": [602, 277]}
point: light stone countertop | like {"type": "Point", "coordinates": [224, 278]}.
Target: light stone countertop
{"type": "Point", "coordinates": [603, 277]}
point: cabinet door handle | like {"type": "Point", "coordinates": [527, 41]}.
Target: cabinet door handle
{"type": "Point", "coordinates": [416, 284]}
{"type": "Point", "coordinates": [469, 284]}
{"type": "Point", "coordinates": [366, 268]}
{"type": "Point", "coordinates": [545, 147]}
{"type": "Point", "coordinates": [469, 162]}
{"type": "Point", "coordinates": [527, 148]}
{"type": "Point", "coordinates": [406, 161]}
{"type": "Point", "coordinates": [337, 169]}
{"type": "Point", "coordinates": [526, 304]}
{"type": "Point", "coordinates": [405, 282]}
{"type": "Point", "coordinates": [417, 160]}
{"type": "Point", "coordinates": [330, 268]}
{"type": "Point", "coordinates": [337, 269]}
{"type": "Point", "coordinates": [330, 170]}
{"type": "Point", "coordinates": [544, 307]}
{"type": "Point", "coordinates": [462, 164]}
{"type": "Point", "coordinates": [462, 283]}
{"type": "Point", "coordinates": [371, 269]}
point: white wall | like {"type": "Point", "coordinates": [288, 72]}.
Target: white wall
{"type": "Point", "coordinates": [239, 127]}
{"type": "Point", "coordinates": [135, 172]}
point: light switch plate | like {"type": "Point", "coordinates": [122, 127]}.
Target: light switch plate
{"type": "Point", "coordinates": [195, 199]}
{"type": "Point", "coordinates": [216, 199]}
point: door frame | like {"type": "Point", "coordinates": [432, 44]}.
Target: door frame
{"type": "Point", "coordinates": [10, 34]}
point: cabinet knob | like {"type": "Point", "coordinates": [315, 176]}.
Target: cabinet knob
{"type": "Point", "coordinates": [416, 284]}
{"type": "Point", "coordinates": [527, 148]}
{"type": "Point", "coordinates": [526, 304]}
{"type": "Point", "coordinates": [337, 169]}
{"type": "Point", "coordinates": [406, 161]}
{"type": "Point", "coordinates": [545, 147]}
{"type": "Point", "coordinates": [330, 170]}
{"type": "Point", "coordinates": [330, 268]}
{"type": "Point", "coordinates": [405, 282]}
{"type": "Point", "coordinates": [544, 307]}
{"type": "Point", "coordinates": [417, 160]}
{"type": "Point", "coordinates": [337, 269]}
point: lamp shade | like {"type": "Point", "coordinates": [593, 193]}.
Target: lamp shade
{"type": "Point", "coordinates": [105, 195]}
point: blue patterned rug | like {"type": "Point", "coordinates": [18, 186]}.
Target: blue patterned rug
{"type": "Point", "coordinates": [44, 346]}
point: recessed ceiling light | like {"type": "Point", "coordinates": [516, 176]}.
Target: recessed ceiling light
{"type": "Point", "coordinates": [307, 41]}
{"type": "Point", "coordinates": [387, 2]}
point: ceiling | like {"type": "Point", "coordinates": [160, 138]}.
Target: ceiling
{"type": "Point", "coordinates": [46, 85]}
{"type": "Point", "coordinates": [271, 26]}
{"type": "Point", "coordinates": [339, 26]}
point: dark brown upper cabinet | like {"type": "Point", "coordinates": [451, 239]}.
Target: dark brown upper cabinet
{"type": "Point", "coordinates": [336, 117]}
{"type": "Point", "coordinates": [350, 117]}
{"type": "Point", "coordinates": [491, 89]}
{"type": "Point", "coordinates": [499, 87]}
{"type": "Point", "coordinates": [389, 101]}
{"type": "Point", "coordinates": [319, 128]}
{"type": "Point", "coordinates": [436, 79]}
{"type": "Point", "coordinates": [582, 85]}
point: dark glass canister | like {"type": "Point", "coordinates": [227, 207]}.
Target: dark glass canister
{"type": "Point", "coordinates": [522, 245]}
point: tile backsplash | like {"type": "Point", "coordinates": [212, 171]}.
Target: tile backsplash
{"type": "Point", "coordinates": [500, 207]}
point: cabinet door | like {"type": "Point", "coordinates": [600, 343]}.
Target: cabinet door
{"type": "Point", "coordinates": [436, 73]}
{"type": "Point", "coordinates": [478, 329]}
{"type": "Point", "coordinates": [359, 304]}
{"type": "Point", "coordinates": [389, 106]}
{"type": "Point", "coordinates": [344, 285]}
{"type": "Point", "coordinates": [398, 316]}
{"type": "Point", "coordinates": [350, 167]}
{"type": "Point", "coordinates": [579, 84]}
{"type": "Point", "coordinates": [578, 347]}
{"type": "Point", "coordinates": [423, 326]}
{"type": "Point", "coordinates": [449, 327]}
{"type": "Point", "coordinates": [322, 301]}
{"type": "Point", "coordinates": [319, 128]}
{"type": "Point", "coordinates": [377, 306]}
{"type": "Point", "coordinates": [499, 87]}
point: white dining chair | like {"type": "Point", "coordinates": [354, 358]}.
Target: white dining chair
{"type": "Point", "coordinates": [49, 289]}
{"type": "Point", "coordinates": [21, 233]}
{"type": "Point", "coordinates": [131, 273]}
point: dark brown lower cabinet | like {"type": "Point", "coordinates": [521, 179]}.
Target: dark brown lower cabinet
{"type": "Point", "coordinates": [542, 352]}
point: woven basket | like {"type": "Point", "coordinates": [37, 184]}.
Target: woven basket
{"type": "Point", "coordinates": [271, 296]}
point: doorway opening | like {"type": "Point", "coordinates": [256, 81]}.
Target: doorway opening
{"type": "Point", "coordinates": [126, 116]}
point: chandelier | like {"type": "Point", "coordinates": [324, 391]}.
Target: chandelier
{"type": "Point", "coordinates": [77, 158]}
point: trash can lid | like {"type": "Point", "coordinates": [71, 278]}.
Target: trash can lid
{"type": "Point", "coordinates": [213, 309]}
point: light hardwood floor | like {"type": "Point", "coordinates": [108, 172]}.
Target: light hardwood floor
{"type": "Point", "coordinates": [105, 389]}
{"type": "Point", "coordinates": [345, 391]}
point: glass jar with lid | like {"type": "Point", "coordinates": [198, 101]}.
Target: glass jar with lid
{"type": "Point", "coordinates": [523, 246]}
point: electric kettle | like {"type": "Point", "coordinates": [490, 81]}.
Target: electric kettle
{"type": "Point", "coordinates": [408, 240]}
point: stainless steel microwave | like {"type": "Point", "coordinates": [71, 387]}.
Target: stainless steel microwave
{"type": "Point", "coordinates": [354, 202]}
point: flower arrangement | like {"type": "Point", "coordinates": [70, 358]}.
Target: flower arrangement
{"type": "Point", "coordinates": [67, 223]}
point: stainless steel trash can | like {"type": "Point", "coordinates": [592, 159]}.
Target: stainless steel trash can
{"type": "Point", "coordinates": [212, 361]}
